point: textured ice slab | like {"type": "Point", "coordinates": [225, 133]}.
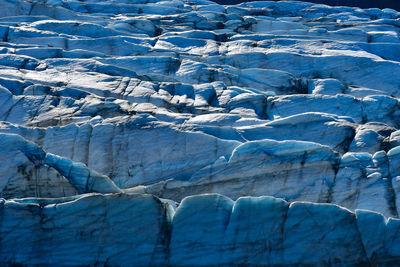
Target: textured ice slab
{"type": "Point", "coordinates": [82, 178]}
{"type": "Point", "coordinates": [117, 230]}
{"type": "Point", "coordinates": [293, 170]}
{"type": "Point", "coordinates": [211, 229]}
{"type": "Point", "coordinates": [289, 169]}
{"type": "Point", "coordinates": [267, 231]}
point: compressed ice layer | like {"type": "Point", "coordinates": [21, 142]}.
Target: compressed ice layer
{"type": "Point", "coordinates": [88, 229]}
{"type": "Point", "coordinates": [211, 229]}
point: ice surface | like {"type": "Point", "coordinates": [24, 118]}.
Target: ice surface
{"type": "Point", "coordinates": [292, 100]}
{"type": "Point", "coordinates": [88, 229]}
{"type": "Point", "coordinates": [132, 229]}
{"type": "Point", "coordinates": [158, 95]}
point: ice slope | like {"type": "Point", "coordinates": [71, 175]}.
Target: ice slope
{"type": "Point", "coordinates": [105, 103]}
{"type": "Point", "coordinates": [84, 230]}
{"type": "Point", "coordinates": [205, 230]}
{"type": "Point", "coordinates": [176, 98]}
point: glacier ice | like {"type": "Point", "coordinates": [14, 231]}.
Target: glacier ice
{"type": "Point", "coordinates": [209, 229]}
{"type": "Point", "coordinates": [147, 132]}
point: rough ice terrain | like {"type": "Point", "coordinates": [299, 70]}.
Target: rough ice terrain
{"type": "Point", "coordinates": [114, 113]}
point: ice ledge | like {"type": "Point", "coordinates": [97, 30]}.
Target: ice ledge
{"type": "Point", "coordinates": [293, 170]}
{"type": "Point", "coordinates": [141, 230]}
{"type": "Point", "coordinates": [84, 179]}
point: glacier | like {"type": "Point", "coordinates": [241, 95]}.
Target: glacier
{"type": "Point", "coordinates": [205, 230]}
{"type": "Point", "coordinates": [189, 133]}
